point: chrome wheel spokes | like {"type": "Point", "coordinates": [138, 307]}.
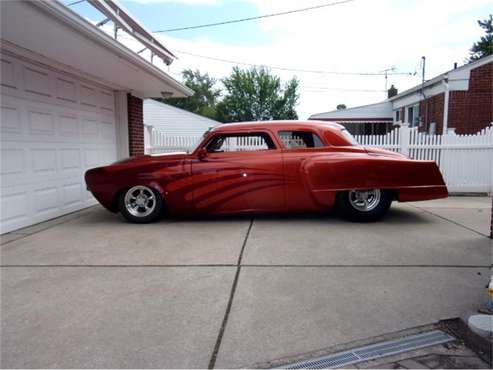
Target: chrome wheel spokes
{"type": "Point", "coordinates": [364, 200]}
{"type": "Point", "coordinates": [140, 201]}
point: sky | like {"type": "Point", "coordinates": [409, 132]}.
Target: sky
{"type": "Point", "coordinates": [361, 36]}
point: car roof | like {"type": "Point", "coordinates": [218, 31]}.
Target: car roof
{"type": "Point", "coordinates": [276, 125]}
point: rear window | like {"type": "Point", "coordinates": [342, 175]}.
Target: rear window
{"type": "Point", "coordinates": [300, 139]}
{"type": "Point", "coordinates": [349, 137]}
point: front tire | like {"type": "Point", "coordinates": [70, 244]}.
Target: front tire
{"type": "Point", "coordinates": [141, 204]}
{"type": "Point", "coordinates": [364, 205]}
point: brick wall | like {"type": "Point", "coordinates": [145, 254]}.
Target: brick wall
{"type": "Point", "coordinates": [135, 125]}
{"type": "Point", "coordinates": [469, 111]}
{"type": "Point", "coordinates": [431, 110]}
{"type": "Point", "coordinates": [472, 110]}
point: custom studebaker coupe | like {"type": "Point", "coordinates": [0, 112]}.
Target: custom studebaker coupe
{"type": "Point", "coordinates": [266, 167]}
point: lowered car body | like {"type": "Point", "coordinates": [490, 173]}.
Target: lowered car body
{"type": "Point", "coordinates": [265, 167]}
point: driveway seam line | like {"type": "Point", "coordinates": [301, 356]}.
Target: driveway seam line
{"type": "Point", "coordinates": [217, 346]}
{"type": "Point", "coordinates": [451, 221]}
{"type": "Point", "coordinates": [248, 265]}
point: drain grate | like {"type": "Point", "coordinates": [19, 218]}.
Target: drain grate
{"type": "Point", "coordinates": [374, 351]}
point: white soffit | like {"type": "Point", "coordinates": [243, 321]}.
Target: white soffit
{"type": "Point", "coordinates": [52, 30]}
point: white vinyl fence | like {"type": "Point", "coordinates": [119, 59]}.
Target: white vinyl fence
{"type": "Point", "coordinates": [466, 161]}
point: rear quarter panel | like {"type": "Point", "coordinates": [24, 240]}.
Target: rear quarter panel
{"type": "Point", "coordinates": [411, 179]}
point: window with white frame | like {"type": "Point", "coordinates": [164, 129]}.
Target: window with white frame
{"type": "Point", "coordinates": [413, 115]}
{"type": "Point", "coordinates": [397, 115]}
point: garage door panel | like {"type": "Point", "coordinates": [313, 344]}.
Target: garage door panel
{"type": "Point", "coordinates": [66, 90]}
{"type": "Point", "coordinates": [8, 73]}
{"type": "Point", "coordinates": [13, 161]}
{"type": "Point", "coordinates": [41, 122]}
{"type": "Point", "coordinates": [68, 126]}
{"type": "Point", "coordinates": [72, 194]}
{"type": "Point", "coordinates": [70, 160]}
{"type": "Point", "coordinates": [44, 161]}
{"type": "Point", "coordinates": [15, 208]}
{"type": "Point", "coordinates": [88, 96]}
{"type": "Point", "coordinates": [37, 81]}
{"type": "Point", "coordinates": [53, 128]}
{"type": "Point", "coordinates": [90, 129]}
{"type": "Point", "coordinates": [46, 201]}
{"type": "Point", "coordinates": [10, 119]}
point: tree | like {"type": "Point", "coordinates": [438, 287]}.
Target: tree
{"type": "Point", "coordinates": [205, 97]}
{"type": "Point", "coordinates": [341, 106]}
{"type": "Point", "coordinates": [257, 95]}
{"type": "Point", "coordinates": [484, 46]}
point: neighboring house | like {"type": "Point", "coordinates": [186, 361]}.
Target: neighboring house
{"type": "Point", "coordinates": [71, 99]}
{"type": "Point", "coordinates": [460, 101]}
{"type": "Point", "coordinates": [364, 120]}
{"type": "Point", "coordinates": [173, 121]}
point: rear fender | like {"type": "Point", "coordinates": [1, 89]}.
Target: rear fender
{"type": "Point", "coordinates": [334, 173]}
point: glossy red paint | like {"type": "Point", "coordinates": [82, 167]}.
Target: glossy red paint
{"type": "Point", "coordinates": [275, 180]}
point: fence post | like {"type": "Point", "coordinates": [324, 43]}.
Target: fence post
{"type": "Point", "coordinates": [404, 132]}
{"type": "Point", "coordinates": [148, 139]}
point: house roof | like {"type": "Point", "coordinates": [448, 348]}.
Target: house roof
{"type": "Point", "coordinates": [372, 112]}
{"type": "Point", "coordinates": [51, 30]}
{"type": "Point", "coordinates": [443, 76]}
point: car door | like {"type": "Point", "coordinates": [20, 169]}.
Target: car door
{"type": "Point", "coordinates": [238, 172]}
{"type": "Point", "coordinates": [299, 146]}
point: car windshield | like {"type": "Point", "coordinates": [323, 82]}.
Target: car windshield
{"type": "Point", "coordinates": [349, 137]}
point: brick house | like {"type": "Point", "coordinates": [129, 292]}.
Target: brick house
{"type": "Point", "coordinates": [71, 99]}
{"type": "Point", "coordinates": [460, 101]}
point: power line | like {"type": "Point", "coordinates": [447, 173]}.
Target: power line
{"type": "Point", "coordinates": [253, 18]}
{"type": "Point", "coordinates": [75, 2]}
{"type": "Point", "coordinates": [293, 69]}
{"type": "Point", "coordinates": [342, 89]}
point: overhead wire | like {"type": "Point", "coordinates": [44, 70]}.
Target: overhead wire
{"type": "Point", "coordinates": [247, 19]}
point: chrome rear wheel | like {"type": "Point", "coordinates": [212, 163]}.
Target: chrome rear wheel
{"type": "Point", "coordinates": [364, 200]}
{"type": "Point", "coordinates": [364, 205]}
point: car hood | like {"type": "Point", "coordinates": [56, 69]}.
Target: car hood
{"type": "Point", "coordinates": [151, 157]}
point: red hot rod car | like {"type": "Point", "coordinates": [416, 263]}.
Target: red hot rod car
{"type": "Point", "coordinates": [266, 167]}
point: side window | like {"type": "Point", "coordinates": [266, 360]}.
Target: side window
{"type": "Point", "coordinates": [240, 143]}
{"type": "Point", "coordinates": [300, 139]}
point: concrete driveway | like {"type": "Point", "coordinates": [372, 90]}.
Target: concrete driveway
{"type": "Point", "coordinates": [89, 290]}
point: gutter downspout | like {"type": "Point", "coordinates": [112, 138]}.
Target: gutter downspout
{"type": "Point", "coordinates": [445, 105]}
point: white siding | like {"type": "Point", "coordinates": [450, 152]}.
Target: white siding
{"type": "Point", "coordinates": [174, 121]}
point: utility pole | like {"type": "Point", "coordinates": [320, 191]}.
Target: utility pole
{"type": "Point", "coordinates": [423, 71]}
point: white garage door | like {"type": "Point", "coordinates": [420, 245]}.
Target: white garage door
{"type": "Point", "coordinates": [54, 126]}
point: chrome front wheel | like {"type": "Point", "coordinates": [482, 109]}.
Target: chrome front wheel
{"type": "Point", "coordinates": [141, 204]}
{"type": "Point", "coordinates": [140, 201]}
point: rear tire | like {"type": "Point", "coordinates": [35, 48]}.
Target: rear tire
{"type": "Point", "coordinates": [364, 205]}
{"type": "Point", "coordinates": [141, 204]}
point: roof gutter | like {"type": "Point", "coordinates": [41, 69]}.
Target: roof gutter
{"type": "Point", "coordinates": [64, 14]}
